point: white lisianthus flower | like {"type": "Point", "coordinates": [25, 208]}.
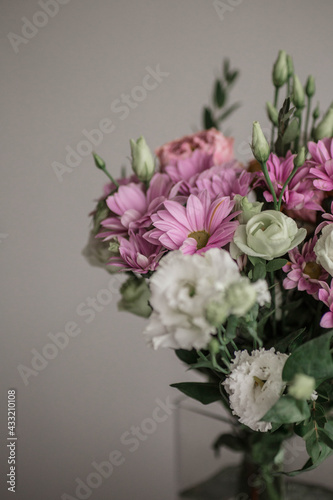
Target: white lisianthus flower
{"type": "Point", "coordinates": [324, 249]}
{"type": "Point", "coordinates": [248, 208]}
{"type": "Point", "coordinates": [268, 234]}
{"type": "Point", "coordinates": [254, 385]}
{"type": "Point", "coordinates": [193, 294]}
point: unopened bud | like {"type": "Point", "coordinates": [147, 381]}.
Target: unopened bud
{"type": "Point", "coordinates": [325, 127]}
{"type": "Point", "coordinates": [99, 162]}
{"type": "Point", "coordinates": [316, 112]}
{"type": "Point", "coordinates": [280, 70]}
{"type": "Point", "coordinates": [310, 87]}
{"type": "Point", "coordinates": [302, 386]}
{"type": "Point", "coordinates": [142, 160]}
{"type": "Point", "coordinates": [298, 93]}
{"type": "Point", "coordinates": [260, 147]}
{"type": "Point", "coordinates": [290, 65]}
{"type": "Point", "coordinates": [272, 113]}
{"type": "Point", "coordinates": [300, 158]}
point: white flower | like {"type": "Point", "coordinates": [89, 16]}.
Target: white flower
{"type": "Point", "coordinates": [263, 295]}
{"type": "Point", "coordinates": [303, 387]}
{"type": "Point", "coordinates": [268, 234]}
{"type": "Point", "coordinates": [254, 385]}
{"type": "Point", "coordinates": [248, 208]}
{"type": "Point", "coordinates": [324, 249]}
{"type": "Point", "coordinates": [181, 289]}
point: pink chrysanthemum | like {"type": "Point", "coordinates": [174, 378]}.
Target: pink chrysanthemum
{"type": "Point", "coordinates": [204, 223]}
{"type": "Point", "coordinates": [321, 163]}
{"type": "Point", "coordinates": [131, 206]}
{"type": "Point", "coordinates": [299, 193]}
{"type": "Point", "coordinates": [325, 294]}
{"type": "Point", "coordinates": [303, 272]}
{"type": "Point", "coordinates": [137, 254]}
{"type": "Point", "coordinates": [227, 179]}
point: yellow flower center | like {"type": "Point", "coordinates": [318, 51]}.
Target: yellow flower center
{"type": "Point", "coordinates": [201, 237]}
{"type": "Point", "coordinates": [312, 269]}
{"type": "Point", "coordinates": [258, 381]}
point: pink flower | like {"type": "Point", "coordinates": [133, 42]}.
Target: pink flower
{"type": "Point", "coordinates": [131, 206]}
{"type": "Point", "coordinates": [325, 294]}
{"type": "Point", "coordinates": [321, 163]}
{"type": "Point", "coordinates": [210, 141]}
{"type": "Point", "coordinates": [204, 223]}
{"type": "Point", "coordinates": [227, 179]}
{"type": "Point", "coordinates": [186, 170]}
{"type": "Point", "coordinates": [299, 193]}
{"type": "Point", "coordinates": [137, 254]}
{"type": "Point", "coordinates": [303, 272]}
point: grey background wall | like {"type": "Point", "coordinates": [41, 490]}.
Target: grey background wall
{"type": "Point", "coordinates": [59, 82]}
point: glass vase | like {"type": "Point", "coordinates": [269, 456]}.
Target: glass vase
{"type": "Point", "coordinates": [201, 475]}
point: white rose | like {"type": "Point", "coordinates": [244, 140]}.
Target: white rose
{"type": "Point", "coordinates": [268, 234]}
{"type": "Point", "coordinates": [324, 249]}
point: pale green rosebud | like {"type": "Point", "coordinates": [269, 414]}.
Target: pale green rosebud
{"type": "Point", "coordinates": [260, 147]}
{"type": "Point", "coordinates": [217, 312]}
{"type": "Point", "coordinates": [248, 209]}
{"type": "Point", "coordinates": [135, 296]}
{"type": "Point", "coordinates": [325, 127]}
{"type": "Point", "coordinates": [272, 113]}
{"type": "Point", "coordinates": [241, 297]}
{"type": "Point", "coordinates": [310, 87]}
{"type": "Point", "coordinates": [302, 386]}
{"type": "Point", "coordinates": [290, 65]}
{"type": "Point", "coordinates": [214, 346]}
{"type": "Point", "coordinates": [316, 112]}
{"type": "Point", "coordinates": [142, 159]}
{"type": "Point", "coordinates": [298, 93]}
{"type": "Point", "coordinates": [280, 69]}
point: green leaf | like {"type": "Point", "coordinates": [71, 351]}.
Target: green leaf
{"type": "Point", "coordinates": [287, 410]}
{"type": "Point", "coordinates": [285, 343]}
{"type": "Point", "coordinates": [231, 76]}
{"type": "Point", "coordinates": [325, 438]}
{"type": "Point", "coordinates": [188, 357]}
{"type": "Point", "coordinates": [231, 327]}
{"type": "Point", "coordinates": [229, 111]}
{"type": "Point", "coordinates": [291, 132]}
{"type": "Point", "coordinates": [265, 447]}
{"type": "Point", "coordinates": [310, 464]}
{"type": "Point", "coordinates": [259, 271]}
{"type": "Point", "coordinates": [219, 94]}
{"type": "Point", "coordinates": [208, 119]}
{"type": "Point", "coordinates": [256, 260]}
{"type": "Point", "coordinates": [275, 265]}
{"type": "Point", "coordinates": [206, 393]}
{"type": "Point", "coordinates": [312, 358]}
{"type": "Point", "coordinates": [313, 447]}
{"type": "Point", "coordinates": [230, 441]}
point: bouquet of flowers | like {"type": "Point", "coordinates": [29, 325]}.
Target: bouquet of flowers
{"type": "Point", "coordinates": [233, 266]}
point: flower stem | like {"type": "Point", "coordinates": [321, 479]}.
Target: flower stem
{"type": "Point", "coordinates": [273, 301]}
{"type": "Point", "coordinates": [276, 95]}
{"type": "Point", "coordinates": [307, 121]}
{"type": "Point", "coordinates": [270, 185]}
{"type": "Point", "coordinates": [294, 170]}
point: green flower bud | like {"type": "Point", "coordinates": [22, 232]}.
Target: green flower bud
{"type": "Point", "coordinates": [214, 346]}
{"type": "Point", "coordinates": [248, 209]}
{"type": "Point", "coordinates": [300, 158]}
{"type": "Point", "coordinates": [316, 112]}
{"type": "Point", "coordinates": [241, 297]}
{"type": "Point", "coordinates": [298, 93]}
{"type": "Point", "coordinates": [260, 147]}
{"type": "Point", "coordinates": [272, 113]}
{"type": "Point", "coordinates": [99, 162]}
{"type": "Point", "coordinates": [325, 127]}
{"type": "Point", "coordinates": [114, 246]}
{"type": "Point", "coordinates": [310, 87]}
{"type": "Point", "coordinates": [142, 160]}
{"type": "Point", "coordinates": [290, 66]}
{"type": "Point", "coordinates": [280, 70]}
{"type": "Point", "coordinates": [135, 296]}
{"type": "Point", "coordinates": [217, 312]}
{"type": "Point", "coordinates": [302, 386]}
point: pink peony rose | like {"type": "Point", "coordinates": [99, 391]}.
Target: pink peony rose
{"type": "Point", "coordinates": [210, 141]}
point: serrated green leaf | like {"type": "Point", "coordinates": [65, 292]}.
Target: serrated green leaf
{"type": "Point", "coordinates": [275, 265]}
{"type": "Point", "coordinates": [312, 358]}
{"type": "Point", "coordinates": [206, 393]}
{"type": "Point", "coordinates": [287, 410]}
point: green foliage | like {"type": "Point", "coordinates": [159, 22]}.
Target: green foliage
{"type": "Point", "coordinates": [287, 410]}
{"type": "Point", "coordinates": [206, 393]}
{"type": "Point", "coordinates": [219, 111]}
